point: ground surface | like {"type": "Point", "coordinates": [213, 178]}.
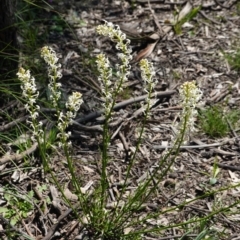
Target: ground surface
{"type": "Point", "coordinates": [194, 54]}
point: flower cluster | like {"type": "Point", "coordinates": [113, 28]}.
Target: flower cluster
{"type": "Point", "coordinates": [30, 93]}
{"type": "Point", "coordinates": [190, 94]}
{"type": "Point", "coordinates": [116, 35]}
{"type": "Point", "coordinates": [111, 88]}
{"type": "Point", "coordinates": [148, 73]}
{"type": "Point", "coordinates": [74, 101]}
{"type": "Point", "coordinates": [64, 120]}
{"type": "Point", "coordinates": [105, 74]}
{"type": "Point", "coordinates": [54, 73]}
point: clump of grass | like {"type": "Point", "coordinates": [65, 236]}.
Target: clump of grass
{"type": "Point", "coordinates": [234, 59]}
{"type": "Point", "coordinates": [216, 122]}
{"type": "Point", "coordinates": [238, 8]}
{"type": "Point", "coordinates": [192, 14]}
{"type": "Point", "coordinates": [123, 220]}
{"type": "Point", "coordinates": [18, 207]}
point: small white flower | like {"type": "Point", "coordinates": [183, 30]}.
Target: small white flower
{"type": "Point", "coordinates": [148, 73]}
{"type": "Point", "coordinates": [49, 55]}
{"type": "Point", "coordinates": [34, 115]}
{"type": "Point", "coordinates": [190, 94]}
{"type": "Point", "coordinates": [30, 93]}
{"type": "Point", "coordinates": [122, 70]}
{"type": "Point", "coordinates": [64, 120]}
{"type": "Point", "coordinates": [74, 102]}
{"type": "Point", "coordinates": [54, 73]}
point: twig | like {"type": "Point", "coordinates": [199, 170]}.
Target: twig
{"type": "Point", "coordinates": [174, 108]}
{"type": "Point", "coordinates": [93, 86]}
{"type": "Point", "coordinates": [232, 237]}
{"type": "Point", "coordinates": [119, 120]}
{"type": "Point", "coordinates": [223, 6]}
{"type": "Point", "coordinates": [200, 145]}
{"type": "Point", "coordinates": [96, 128]}
{"type": "Point", "coordinates": [208, 18]}
{"type": "Point", "coordinates": [188, 146]}
{"type": "Point", "coordinates": [55, 199]}
{"type": "Point", "coordinates": [155, 18]}
{"type": "Point", "coordinates": [17, 157]}
{"type": "Point", "coordinates": [23, 234]}
{"type": "Point", "coordinates": [124, 142]}
{"type": "Point", "coordinates": [12, 124]}
{"type": "Point", "coordinates": [27, 229]}
{"type": "Point", "coordinates": [230, 223]}
{"type": "Point", "coordinates": [157, 1]}
{"type": "Point", "coordinates": [178, 236]}
{"type": "Point", "coordinates": [55, 226]}
{"type": "Point", "coordinates": [117, 131]}
{"type": "Point", "coordinates": [94, 115]}
{"type": "Point", "coordinates": [71, 230]}
{"type": "Point", "coordinates": [220, 151]}
{"type": "Point", "coordinates": [10, 105]}
{"type": "Point", "coordinates": [231, 128]}
{"type": "Point", "coordinates": [233, 168]}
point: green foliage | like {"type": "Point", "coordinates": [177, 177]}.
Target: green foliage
{"type": "Point", "coordinates": [27, 17]}
{"type": "Point", "coordinates": [216, 170]}
{"type": "Point", "coordinates": [234, 59]}
{"type": "Point", "coordinates": [58, 24]}
{"type": "Point", "coordinates": [18, 206]}
{"type": "Point", "coordinates": [238, 8]}
{"type": "Point", "coordinates": [205, 235]}
{"type": "Point", "coordinates": [202, 227]}
{"type": "Point", "coordinates": [214, 121]}
{"type": "Point", "coordinates": [176, 75]}
{"type": "Point", "coordinates": [178, 26]}
{"type": "Point", "coordinates": [102, 222]}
